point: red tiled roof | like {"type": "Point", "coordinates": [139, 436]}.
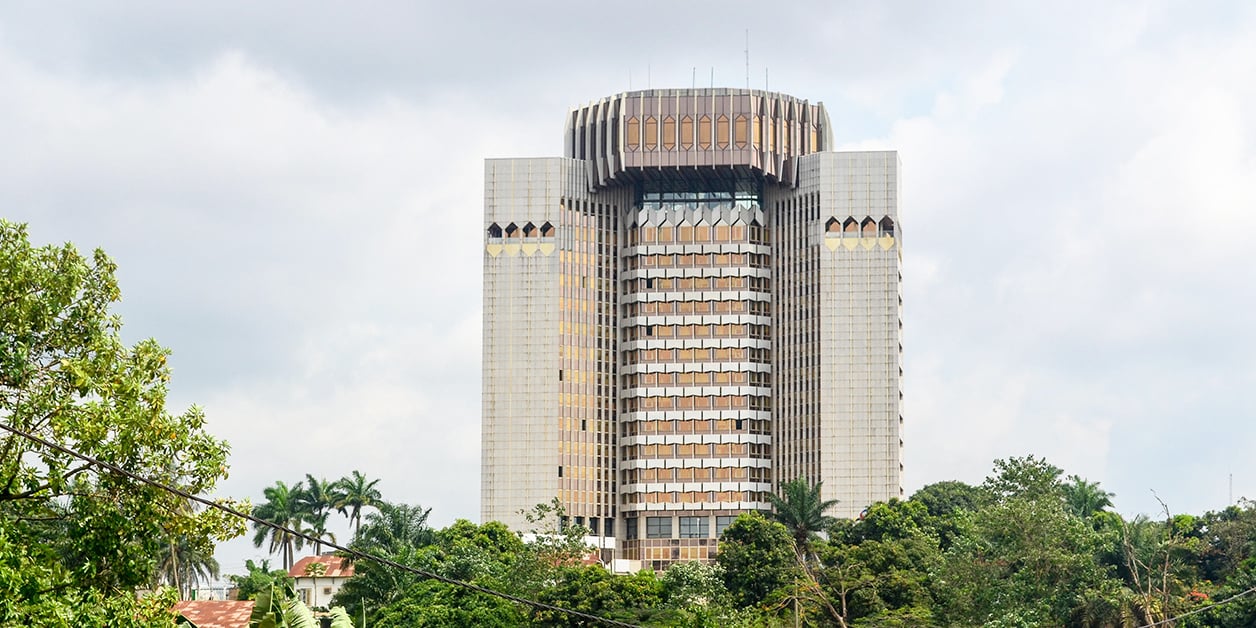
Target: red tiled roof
{"type": "Point", "coordinates": [216, 613]}
{"type": "Point", "coordinates": [337, 566]}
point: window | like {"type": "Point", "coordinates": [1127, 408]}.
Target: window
{"type": "Point", "coordinates": [722, 523]}
{"type": "Point", "coordinates": [694, 527]}
{"type": "Point", "coordinates": [630, 528]}
{"type": "Point", "coordinates": [658, 527]}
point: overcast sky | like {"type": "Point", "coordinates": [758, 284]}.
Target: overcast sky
{"type": "Point", "coordinates": [293, 192]}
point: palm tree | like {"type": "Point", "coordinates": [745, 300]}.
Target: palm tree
{"type": "Point", "coordinates": [183, 565]}
{"type": "Point", "coordinates": [318, 530]}
{"type": "Point", "coordinates": [800, 508]}
{"type": "Point", "coordinates": [395, 528]}
{"type": "Point", "coordinates": [1084, 499]}
{"type": "Point", "coordinates": [355, 494]}
{"type": "Point", "coordinates": [283, 507]}
{"type": "Point", "coordinates": [319, 496]}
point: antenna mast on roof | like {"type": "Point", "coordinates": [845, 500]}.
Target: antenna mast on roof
{"type": "Point", "coordinates": [747, 58]}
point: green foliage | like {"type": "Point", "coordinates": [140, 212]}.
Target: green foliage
{"type": "Point", "coordinates": [33, 593]}
{"type": "Point", "coordinates": [183, 565]}
{"type": "Point", "coordinates": [942, 499]}
{"type": "Point", "coordinates": [432, 603]}
{"type": "Point", "coordinates": [758, 559]}
{"type": "Point", "coordinates": [801, 510]}
{"type": "Point", "coordinates": [1027, 477]}
{"type": "Point", "coordinates": [259, 578]}
{"type": "Point", "coordinates": [354, 493]}
{"type": "Point", "coordinates": [284, 506]}
{"type": "Point", "coordinates": [593, 590]}
{"type": "Point", "coordinates": [88, 538]}
{"type": "Point", "coordinates": [400, 533]}
{"type": "Point", "coordinates": [1024, 561]}
{"type": "Point", "coordinates": [1085, 499]}
{"type": "Point", "coordinates": [278, 607]}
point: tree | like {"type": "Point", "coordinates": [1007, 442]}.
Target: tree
{"type": "Point", "coordinates": [593, 590]}
{"type": "Point", "coordinates": [317, 497]}
{"type": "Point", "coordinates": [281, 508]}
{"type": "Point", "coordinates": [400, 533]}
{"type": "Point", "coordinates": [758, 559]}
{"type": "Point", "coordinates": [1022, 562]}
{"type": "Point", "coordinates": [1083, 498]}
{"type": "Point", "coordinates": [946, 498]}
{"type": "Point", "coordinates": [355, 493]}
{"type": "Point", "coordinates": [801, 510]}
{"type": "Point", "coordinates": [259, 578]}
{"type": "Point", "coordinates": [1028, 477]}
{"type": "Point", "coordinates": [88, 535]}
{"type": "Point", "coordinates": [318, 530]}
{"type": "Point", "coordinates": [184, 566]}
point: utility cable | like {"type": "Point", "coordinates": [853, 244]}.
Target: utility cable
{"type": "Point", "coordinates": [355, 554]}
{"type": "Point", "coordinates": [1201, 610]}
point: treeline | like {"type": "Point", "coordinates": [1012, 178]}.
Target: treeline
{"type": "Point", "coordinates": [1027, 547]}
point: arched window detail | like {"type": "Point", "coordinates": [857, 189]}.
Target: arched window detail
{"type": "Point", "coordinates": [512, 230]}
{"type": "Point", "coordinates": [547, 230]}
{"type": "Point", "coordinates": [529, 230]}
{"type": "Point", "coordinates": [833, 226]}
{"type": "Point", "coordinates": [887, 226]}
{"type": "Point", "coordinates": [850, 227]}
{"type": "Point", "coordinates": [869, 228]}
{"type": "Point", "coordinates": [494, 231]}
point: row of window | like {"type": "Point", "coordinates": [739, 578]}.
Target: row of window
{"type": "Point", "coordinates": [867, 228]}
{"type": "Point", "coordinates": [696, 450]}
{"type": "Point", "coordinates": [694, 426]}
{"type": "Point", "coordinates": [722, 402]}
{"type": "Point", "coordinates": [651, 133]}
{"type": "Point", "coordinates": [528, 230]}
{"type": "Point", "coordinates": [683, 284]}
{"type": "Point", "coordinates": [699, 474]}
{"type": "Point", "coordinates": [694, 497]}
{"type": "Point", "coordinates": [730, 354]}
{"type": "Point", "coordinates": [698, 308]}
{"type": "Point", "coordinates": [696, 260]}
{"type": "Point", "coordinates": [641, 332]}
{"type": "Point", "coordinates": [700, 378]}
{"type": "Point", "coordinates": [754, 233]}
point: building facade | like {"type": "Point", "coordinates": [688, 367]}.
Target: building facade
{"type": "Point", "coordinates": [699, 302]}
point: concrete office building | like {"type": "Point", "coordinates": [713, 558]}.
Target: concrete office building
{"type": "Point", "coordinates": [699, 302]}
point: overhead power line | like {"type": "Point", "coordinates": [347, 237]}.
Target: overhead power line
{"type": "Point", "coordinates": [355, 554]}
{"type": "Point", "coordinates": [1165, 622]}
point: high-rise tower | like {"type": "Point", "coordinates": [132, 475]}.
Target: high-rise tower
{"type": "Point", "coordinates": [700, 302]}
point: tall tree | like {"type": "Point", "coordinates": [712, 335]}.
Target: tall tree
{"type": "Point", "coordinates": [318, 530]}
{"type": "Point", "coordinates": [758, 559]}
{"type": "Point", "coordinates": [801, 509]}
{"type": "Point", "coordinates": [184, 566]}
{"type": "Point", "coordinates": [282, 508]}
{"type": "Point", "coordinates": [1083, 498]}
{"type": "Point", "coordinates": [357, 493]}
{"type": "Point", "coordinates": [80, 532]}
{"type": "Point", "coordinates": [318, 496]}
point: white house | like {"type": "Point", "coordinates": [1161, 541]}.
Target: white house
{"type": "Point", "coordinates": [318, 578]}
